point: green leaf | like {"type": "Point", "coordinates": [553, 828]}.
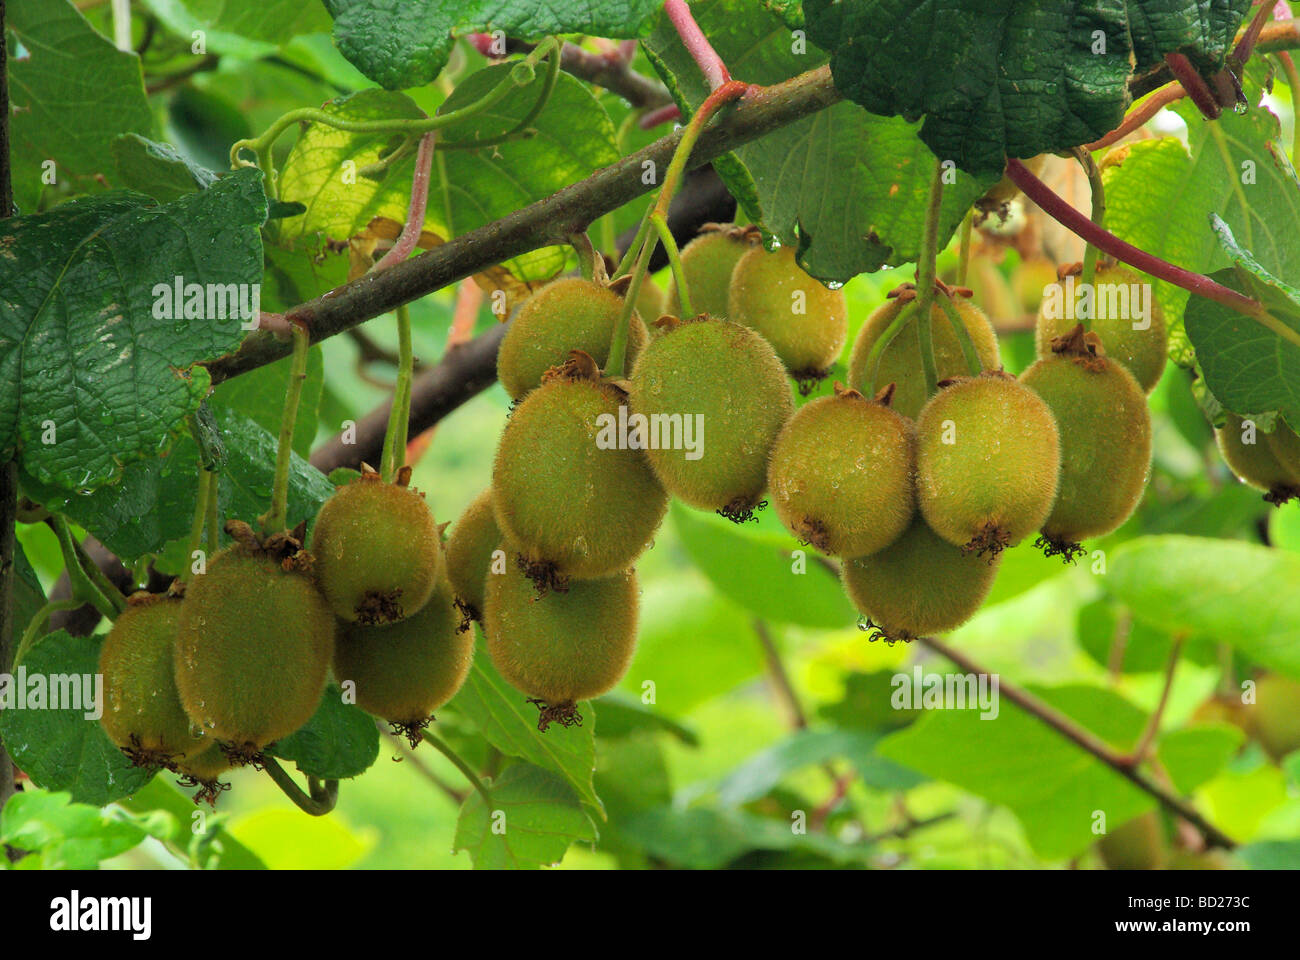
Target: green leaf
{"type": "Point", "coordinates": [622, 716]}
{"type": "Point", "coordinates": [339, 741]}
{"type": "Point", "coordinates": [1052, 786]}
{"type": "Point", "coordinates": [153, 502]}
{"type": "Point", "coordinates": [1159, 192]}
{"type": "Point", "coordinates": [29, 595]}
{"type": "Point", "coordinates": [998, 79]}
{"type": "Point", "coordinates": [757, 571]}
{"type": "Point", "coordinates": [241, 29]}
{"type": "Point", "coordinates": [157, 169]}
{"type": "Point", "coordinates": [208, 849]}
{"type": "Point", "coordinates": [866, 704]}
{"type": "Point", "coordinates": [63, 749]}
{"type": "Point", "coordinates": [1251, 366]}
{"type": "Point", "coordinates": [65, 835]}
{"type": "Point", "coordinates": [406, 44]}
{"type": "Point", "coordinates": [876, 168]}
{"type": "Point", "coordinates": [509, 722]}
{"type": "Point", "coordinates": [1235, 593]}
{"type": "Point", "coordinates": [535, 816]}
{"type": "Point", "coordinates": [1284, 527]}
{"type": "Point", "coordinates": [1193, 756]}
{"type": "Point", "coordinates": [574, 137]}
{"type": "Point", "coordinates": [100, 380]}
{"type": "Point", "coordinates": [1271, 855]}
{"type": "Point", "coordinates": [71, 95]}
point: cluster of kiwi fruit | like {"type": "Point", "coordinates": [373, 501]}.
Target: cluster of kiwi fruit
{"type": "Point", "coordinates": [213, 672]}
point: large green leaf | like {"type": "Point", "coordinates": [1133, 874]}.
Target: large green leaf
{"type": "Point", "coordinates": [574, 137]}
{"type": "Point", "coordinates": [407, 44]}
{"type": "Point", "coordinates": [157, 168]}
{"type": "Point", "coordinates": [100, 380]}
{"type": "Point", "coordinates": [65, 835]}
{"type": "Point", "coordinates": [153, 502]}
{"type": "Point", "coordinates": [63, 749]}
{"type": "Point", "coordinates": [29, 595]}
{"type": "Point", "coordinates": [338, 742]}
{"type": "Point", "coordinates": [1236, 593]}
{"type": "Point", "coordinates": [230, 25]}
{"type": "Point", "coordinates": [876, 168]}
{"type": "Point", "coordinates": [534, 816]}
{"type": "Point", "coordinates": [997, 78]}
{"type": "Point", "coordinates": [71, 92]}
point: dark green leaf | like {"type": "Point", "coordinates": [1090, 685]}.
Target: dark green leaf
{"type": "Point", "coordinates": [621, 716]}
{"type": "Point", "coordinates": [157, 169]}
{"type": "Point", "coordinates": [535, 815]}
{"type": "Point", "coordinates": [65, 835]}
{"type": "Point", "coordinates": [339, 741]}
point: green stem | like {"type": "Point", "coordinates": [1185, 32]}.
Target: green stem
{"type": "Point", "coordinates": [1293, 83]}
{"type": "Point", "coordinates": [870, 386]}
{"type": "Point", "coordinates": [200, 518]}
{"type": "Point", "coordinates": [37, 626]}
{"type": "Point", "coordinates": [84, 587]}
{"type": "Point", "coordinates": [925, 277]}
{"type": "Point", "coordinates": [276, 518]}
{"type": "Point", "coordinates": [614, 367]}
{"type": "Point", "coordinates": [635, 246]}
{"type": "Point", "coordinates": [1098, 217]}
{"type": "Point", "coordinates": [460, 765]}
{"type": "Point", "coordinates": [321, 799]}
{"type": "Point", "coordinates": [99, 578]}
{"type": "Point", "coordinates": [963, 336]}
{"type": "Point", "coordinates": [963, 256]}
{"type": "Point", "coordinates": [675, 261]}
{"type": "Point", "coordinates": [394, 452]}
{"type": "Point", "coordinates": [581, 244]}
{"type": "Point", "coordinates": [214, 516]}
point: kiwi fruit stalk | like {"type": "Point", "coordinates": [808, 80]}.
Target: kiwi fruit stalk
{"type": "Point", "coordinates": [707, 262]}
{"type": "Point", "coordinates": [563, 648]}
{"type": "Point", "coordinates": [474, 538]}
{"type": "Point", "coordinates": [142, 714]}
{"type": "Point", "coordinates": [726, 379]}
{"type": "Point", "coordinates": [841, 474]}
{"type": "Point", "coordinates": [377, 548]}
{"type": "Point", "coordinates": [988, 458]}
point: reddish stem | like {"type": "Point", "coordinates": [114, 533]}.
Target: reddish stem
{"type": "Point", "coordinates": [410, 235]}
{"type": "Point", "coordinates": [697, 45]}
{"type": "Point", "coordinates": [1194, 84]}
{"type": "Point", "coordinates": [1246, 45]}
{"type": "Point", "coordinates": [1139, 115]}
{"type": "Point", "coordinates": [1104, 240]}
{"type": "Point", "coordinates": [652, 118]}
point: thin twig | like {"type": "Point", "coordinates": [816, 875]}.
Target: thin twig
{"type": "Point", "coordinates": [780, 678]}
{"type": "Point", "coordinates": [1139, 752]}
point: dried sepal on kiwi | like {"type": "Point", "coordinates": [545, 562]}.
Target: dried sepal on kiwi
{"type": "Point", "coordinates": [203, 772]}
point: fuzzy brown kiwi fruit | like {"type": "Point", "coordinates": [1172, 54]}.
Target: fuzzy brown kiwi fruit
{"type": "Point", "coordinates": [569, 501]}
{"type": "Point", "coordinates": [805, 321]}
{"type": "Point", "coordinates": [474, 539]}
{"type": "Point", "coordinates": [841, 473]}
{"type": "Point", "coordinates": [988, 457]}
{"type": "Point", "coordinates": [919, 585]}
{"type": "Point", "coordinates": [562, 648]}
{"type": "Point", "coordinates": [1143, 352]}
{"type": "Point", "coordinates": [204, 771]}
{"type": "Point", "coordinates": [900, 362]}
{"type": "Point", "coordinates": [377, 549]}
{"type": "Point", "coordinates": [1275, 718]}
{"type": "Point", "coordinates": [1253, 457]}
{"type": "Point", "coordinates": [727, 378]}
{"type": "Point", "coordinates": [1105, 429]}
{"type": "Point", "coordinates": [406, 670]}
{"type": "Point", "coordinates": [708, 261]}
{"type": "Point", "coordinates": [254, 643]}
{"type": "Point", "coordinates": [1138, 844]}
{"type": "Point", "coordinates": [142, 713]}
{"type": "Point", "coordinates": [567, 314]}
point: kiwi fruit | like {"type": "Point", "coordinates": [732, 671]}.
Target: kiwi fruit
{"type": "Point", "coordinates": [404, 671]}
{"type": "Point", "coordinates": [805, 321]}
{"type": "Point", "coordinates": [377, 549]}
{"type": "Point", "coordinates": [841, 473]}
{"type": "Point", "coordinates": [707, 262]}
{"type": "Point", "coordinates": [567, 314]}
{"type": "Point", "coordinates": [1105, 430]}
{"type": "Point", "coordinates": [988, 456]}
{"type": "Point", "coordinates": [203, 771]}
{"type": "Point", "coordinates": [1138, 844]}
{"type": "Point", "coordinates": [254, 643]}
{"type": "Point", "coordinates": [568, 500]}
{"type": "Point", "coordinates": [649, 308]}
{"type": "Point", "coordinates": [726, 378]}
{"type": "Point", "coordinates": [474, 538]}
{"type": "Point", "coordinates": [920, 585]}
{"type": "Point", "coordinates": [1258, 462]}
{"type": "Point", "coordinates": [142, 713]}
{"type": "Point", "coordinates": [563, 648]}
{"type": "Point", "coordinates": [1143, 352]}
{"type": "Point", "coordinates": [1275, 718]}
{"type": "Point", "coordinates": [900, 362]}
{"type": "Point", "coordinates": [1030, 279]}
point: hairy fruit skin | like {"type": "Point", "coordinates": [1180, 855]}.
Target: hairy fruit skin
{"type": "Point", "coordinates": [404, 671]}
{"type": "Point", "coordinates": [900, 362]}
{"type": "Point", "coordinates": [1275, 718]}
{"type": "Point", "coordinates": [841, 474]}
{"type": "Point", "coordinates": [766, 289]}
{"type": "Point", "coordinates": [708, 261]}
{"type": "Point", "coordinates": [206, 766]}
{"type": "Point", "coordinates": [253, 648]}
{"type": "Point", "coordinates": [1105, 430]}
{"type": "Point", "coordinates": [1138, 844]}
{"type": "Point", "coordinates": [1143, 352]}
{"type": "Point", "coordinates": [565, 647]}
{"type": "Point", "coordinates": [988, 457]}
{"type": "Point", "coordinates": [568, 314]}
{"type": "Point", "coordinates": [562, 500]}
{"type": "Point", "coordinates": [378, 551]}
{"type": "Point", "coordinates": [142, 708]}
{"type": "Point", "coordinates": [920, 585]}
{"type": "Point", "coordinates": [731, 377]}
{"type": "Point", "coordinates": [1257, 462]}
{"type": "Point", "coordinates": [474, 538]}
